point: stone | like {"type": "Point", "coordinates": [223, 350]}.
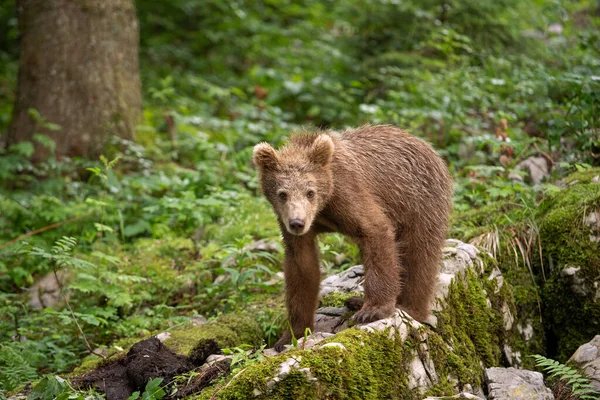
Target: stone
{"type": "Point", "coordinates": [526, 330]}
{"type": "Point", "coordinates": [577, 284]}
{"type": "Point", "coordinates": [333, 311]}
{"type": "Point", "coordinates": [587, 357]}
{"type": "Point", "coordinates": [292, 363]}
{"type": "Point", "coordinates": [313, 339]}
{"type": "Point", "coordinates": [536, 168]}
{"type": "Point", "coordinates": [45, 293]}
{"type": "Point", "coordinates": [163, 336]}
{"type": "Point", "coordinates": [513, 384]}
{"type": "Point", "coordinates": [513, 357]}
{"type": "Point", "coordinates": [351, 280]}
{"type": "Point", "coordinates": [463, 395]}
{"type": "Point", "coordinates": [215, 358]}
{"type": "Point", "coordinates": [555, 29]}
{"type": "Point", "coordinates": [198, 320]}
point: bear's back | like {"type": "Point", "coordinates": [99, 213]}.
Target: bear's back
{"type": "Point", "coordinates": [402, 171]}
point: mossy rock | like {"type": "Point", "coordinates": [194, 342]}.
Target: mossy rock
{"type": "Point", "coordinates": [569, 228]}
{"type": "Point", "coordinates": [227, 330]}
{"type": "Point", "coordinates": [397, 357]}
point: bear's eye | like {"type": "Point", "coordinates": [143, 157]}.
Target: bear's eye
{"type": "Point", "coordinates": [282, 196]}
{"type": "Point", "coordinates": [310, 194]}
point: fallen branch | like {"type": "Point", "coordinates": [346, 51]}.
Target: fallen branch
{"type": "Point", "coordinates": [44, 229]}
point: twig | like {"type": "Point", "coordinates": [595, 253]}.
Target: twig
{"type": "Point", "coordinates": [544, 154]}
{"type": "Point", "coordinates": [214, 396]}
{"type": "Point", "coordinates": [87, 344]}
{"type": "Point", "coordinates": [45, 228]}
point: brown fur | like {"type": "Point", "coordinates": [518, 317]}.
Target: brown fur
{"type": "Point", "coordinates": [379, 185]}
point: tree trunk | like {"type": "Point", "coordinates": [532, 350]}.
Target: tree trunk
{"type": "Point", "coordinates": [79, 69]}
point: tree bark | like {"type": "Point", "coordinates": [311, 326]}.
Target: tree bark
{"type": "Point", "coordinates": [79, 69]}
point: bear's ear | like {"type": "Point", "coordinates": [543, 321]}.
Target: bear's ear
{"type": "Point", "coordinates": [321, 150]}
{"type": "Point", "coordinates": [264, 156]}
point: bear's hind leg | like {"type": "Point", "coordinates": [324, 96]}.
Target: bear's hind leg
{"type": "Point", "coordinates": [421, 260]}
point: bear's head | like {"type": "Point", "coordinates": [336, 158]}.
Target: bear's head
{"type": "Point", "coordinates": [296, 179]}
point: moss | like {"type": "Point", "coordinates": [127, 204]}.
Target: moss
{"type": "Point", "coordinates": [570, 318]}
{"type": "Point", "coordinates": [564, 237]}
{"type": "Point", "coordinates": [92, 362]}
{"type": "Point", "coordinates": [501, 216]}
{"type": "Point", "coordinates": [337, 299]}
{"type": "Point", "coordinates": [382, 363]}
{"type": "Point", "coordinates": [584, 176]}
{"type": "Point", "coordinates": [227, 330]}
{"type": "Point", "coordinates": [472, 327]}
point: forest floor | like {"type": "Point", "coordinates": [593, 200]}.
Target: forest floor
{"type": "Point", "coordinates": [96, 255]}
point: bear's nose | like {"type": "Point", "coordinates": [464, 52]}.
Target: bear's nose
{"type": "Point", "coordinates": [296, 224]}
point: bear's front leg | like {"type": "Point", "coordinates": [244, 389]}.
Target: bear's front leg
{"type": "Point", "coordinates": [302, 279]}
{"type": "Point", "coordinates": [382, 272]}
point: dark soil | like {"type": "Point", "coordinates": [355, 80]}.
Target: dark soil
{"type": "Point", "coordinates": [206, 376]}
{"type": "Point", "coordinates": [150, 359]}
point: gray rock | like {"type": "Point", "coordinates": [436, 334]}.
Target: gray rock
{"type": "Point", "coordinates": [587, 357]}
{"type": "Point", "coordinates": [333, 311]}
{"type": "Point", "coordinates": [577, 283]}
{"type": "Point", "coordinates": [512, 383]}
{"type": "Point", "coordinates": [555, 29]}
{"type": "Point", "coordinates": [351, 280]}
{"type": "Point", "coordinates": [263, 245]}
{"type": "Point", "coordinates": [592, 220]}
{"type": "Point", "coordinates": [463, 395]}
{"type": "Point", "coordinates": [45, 293]}
{"type": "Point", "coordinates": [198, 320]}
{"type": "Point", "coordinates": [329, 323]}
{"type": "Point", "coordinates": [537, 169]}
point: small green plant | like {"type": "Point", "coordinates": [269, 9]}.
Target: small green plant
{"type": "Point", "coordinates": [243, 357]}
{"type": "Point", "coordinates": [570, 383]}
{"type": "Point", "coordinates": [153, 391]}
{"type": "Point", "coordinates": [53, 387]}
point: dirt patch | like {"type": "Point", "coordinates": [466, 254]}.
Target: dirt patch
{"type": "Point", "coordinates": [206, 376]}
{"type": "Point", "coordinates": [147, 360]}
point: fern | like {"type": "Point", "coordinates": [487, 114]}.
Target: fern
{"type": "Point", "coordinates": [14, 368]}
{"type": "Point", "coordinates": [60, 254]}
{"type": "Point", "coordinates": [578, 384]}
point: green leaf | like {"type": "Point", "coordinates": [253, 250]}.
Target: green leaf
{"type": "Point", "coordinates": [103, 228]}
{"type": "Point", "coordinates": [153, 390]}
{"type": "Point", "coordinates": [24, 149]}
{"type": "Point", "coordinates": [48, 388]}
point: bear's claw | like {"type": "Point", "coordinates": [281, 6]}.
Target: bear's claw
{"type": "Point", "coordinates": [371, 314]}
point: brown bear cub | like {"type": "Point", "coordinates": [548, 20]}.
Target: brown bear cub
{"type": "Point", "coordinates": [379, 185]}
